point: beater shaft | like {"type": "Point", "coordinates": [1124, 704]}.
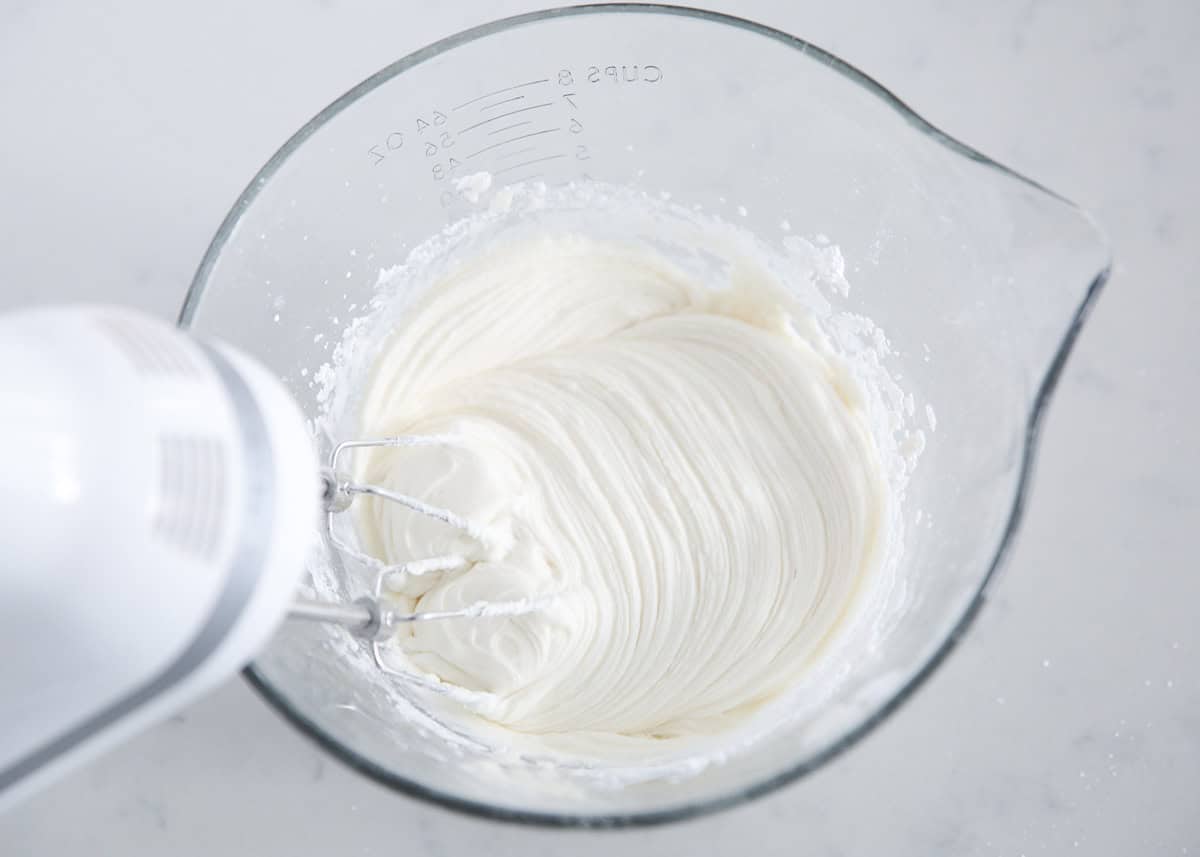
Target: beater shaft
{"type": "Point", "coordinates": [361, 618]}
{"type": "Point", "coordinates": [353, 616]}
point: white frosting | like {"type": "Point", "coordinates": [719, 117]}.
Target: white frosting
{"type": "Point", "coordinates": [673, 488]}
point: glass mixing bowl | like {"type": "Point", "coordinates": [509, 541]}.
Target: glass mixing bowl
{"type": "Point", "coordinates": [980, 277]}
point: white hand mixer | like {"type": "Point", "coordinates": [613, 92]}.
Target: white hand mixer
{"type": "Point", "coordinates": [157, 518]}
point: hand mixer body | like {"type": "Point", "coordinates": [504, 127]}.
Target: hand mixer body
{"type": "Point", "coordinates": [161, 496]}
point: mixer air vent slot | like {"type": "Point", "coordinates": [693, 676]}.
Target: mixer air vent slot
{"type": "Point", "coordinates": [151, 350]}
{"type": "Point", "coordinates": [191, 493]}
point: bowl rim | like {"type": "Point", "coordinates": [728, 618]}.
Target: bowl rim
{"type": "Point", "coordinates": [279, 701]}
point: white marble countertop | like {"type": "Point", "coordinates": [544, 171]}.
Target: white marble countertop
{"type": "Point", "coordinates": [1068, 721]}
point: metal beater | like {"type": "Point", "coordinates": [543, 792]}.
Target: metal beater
{"type": "Point", "coordinates": [370, 618]}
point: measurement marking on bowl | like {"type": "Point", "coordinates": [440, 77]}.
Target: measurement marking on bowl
{"type": "Point", "coordinates": [517, 153]}
{"type": "Point", "coordinates": [528, 164]}
{"type": "Point", "coordinates": [529, 178]}
{"type": "Point", "coordinates": [499, 91]}
{"type": "Point", "coordinates": [513, 140]}
{"type": "Point", "coordinates": [504, 115]}
{"type": "Point", "coordinates": [498, 103]}
{"type": "Point", "coordinates": [510, 127]}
